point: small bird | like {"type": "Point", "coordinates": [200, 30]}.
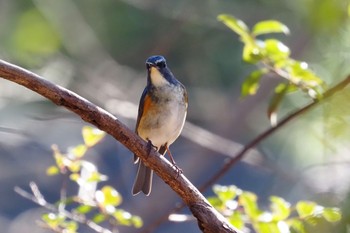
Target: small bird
{"type": "Point", "coordinates": [161, 116]}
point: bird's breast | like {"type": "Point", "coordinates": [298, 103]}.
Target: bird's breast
{"type": "Point", "coordinates": [164, 115]}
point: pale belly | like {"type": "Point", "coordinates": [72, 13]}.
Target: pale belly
{"type": "Point", "coordinates": [164, 125]}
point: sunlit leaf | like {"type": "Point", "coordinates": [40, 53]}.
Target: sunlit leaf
{"type": "Point", "coordinates": [74, 176]}
{"type": "Point", "coordinates": [226, 193]}
{"type": "Point", "coordinates": [34, 35]}
{"type": "Point", "coordinates": [280, 208]}
{"type": "Point", "coordinates": [251, 82]}
{"type": "Point", "coordinates": [252, 53]}
{"type": "Point", "coordinates": [236, 219]}
{"type": "Point", "coordinates": [236, 25]}
{"type": "Point", "coordinates": [52, 170]}
{"type": "Point", "coordinates": [123, 217]}
{"type": "Point", "coordinates": [52, 220]}
{"type": "Point", "coordinates": [108, 196]}
{"type": "Point", "coordinates": [92, 135]}
{"type": "Point", "coordinates": [249, 202]}
{"type": "Point", "coordinates": [78, 151]}
{"type": "Point", "coordinates": [332, 214]}
{"type": "Point", "coordinates": [137, 221]}
{"type": "Point", "coordinates": [305, 208]}
{"type": "Point", "coordinates": [269, 26]}
{"type": "Point", "coordinates": [83, 209]}
{"type": "Point", "coordinates": [70, 226]}
{"type": "Point", "coordinates": [216, 202]}
{"type": "Point", "coordinates": [297, 226]}
{"type": "Point", "coordinates": [266, 227]}
{"type": "Point", "coordinates": [59, 158]}
{"type": "Point", "coordinates": [276, 50]}
{"type": "Point", "coordinates": [98, 218]}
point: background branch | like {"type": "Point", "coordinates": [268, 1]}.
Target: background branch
{"type": "Point", "coordinates": [209, 220]}
{"type": "Point", "coordinates": [253, 143]}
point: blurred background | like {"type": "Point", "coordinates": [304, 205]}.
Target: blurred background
{"type": "Point", "coordinates": [98, 49]}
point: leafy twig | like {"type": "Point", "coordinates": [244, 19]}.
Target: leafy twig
{"type": "Point", "coordinates": [39, 199]}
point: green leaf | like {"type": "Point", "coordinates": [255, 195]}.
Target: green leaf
{"type": "Point", "coordinates": [74, 176]}
{"type": "Point", "coordinates": [236, 219]}
{"type": "Point", "coordinates": [83, 209]}
{"type": "Point", "coordinates": [332, 214]}
{"type": "Point", "coordinates": [98, 218]}
{"type": "Point", "coordinates": [34, 36]}
{"type": "Point", "coordinates": [226, 193]}
{"type": "Point", "coordinates": [297, 225]}
{"type": "Point", "coordinates": [280, 208]}
{"type": "Point", "coordinates": [266, 227]}
{"type": "Point", "coordinates": [78, 151]}
{"type": "Point", "coordinates": [249, 202]}
{"type": "Point", "coordinates": [52, 170]}
{"type": "Point", "coordinates": [251, 82]}
{"type": "Point", "coordinates": [108, 196]}
{"type": "Point", "coordinates": [275, 50]}
{"type": "Point", "coordinates": [305, 208]}
{"type": "Point", "coordinates": [280, 92]}
{"type": "Point", "coordinates": [136, 221]}
{"type": "Point", "coordinates": [269, 26]}
{"type": "Point", "coordinates": [236, 25]}
{"type": "Point", "coordinates": [252, 53]}
{"type": "Point", "coordinates": [92, 135]}
{"type": "Point", "coordinates": [216, 202]}
{"type": "Point", "coordinates": [52, 220]}
{"type": "Point", "coordinates": [123, 217]}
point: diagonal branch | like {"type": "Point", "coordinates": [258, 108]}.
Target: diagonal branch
{"type": "Point", "coordinates": [243, 152]}
{"type": "Point", "coordinates": [209, 220]}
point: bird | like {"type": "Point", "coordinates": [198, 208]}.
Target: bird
{"type": "Point", "coordinates": [161, 116]}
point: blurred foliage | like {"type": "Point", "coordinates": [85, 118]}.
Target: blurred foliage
{"type": "Point", "coordinates": [34, 38]}
{"type": "Point", "coordinates": [242, 210]}
{"type": "Point", "coordinates": [272, 56]}
{"type": "Point", "coordinates": [101, 205]}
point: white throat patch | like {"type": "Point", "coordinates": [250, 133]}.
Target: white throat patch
{"type": "Point", "coordinates": [157, 78]}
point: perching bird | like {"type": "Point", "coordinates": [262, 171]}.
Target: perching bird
{"type": "Point", "coordinates": [161, 116]}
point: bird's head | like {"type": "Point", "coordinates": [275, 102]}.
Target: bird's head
{"type": "Point", "coordinates": [158, 71]}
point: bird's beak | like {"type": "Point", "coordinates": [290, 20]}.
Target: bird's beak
{"type": "Point", "coordinates": [149, 65]}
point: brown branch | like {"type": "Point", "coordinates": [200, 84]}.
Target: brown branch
{"type": "Point", "coordinates": [209, 220]}
{"type": "Point", "coordinates": [236, 158]}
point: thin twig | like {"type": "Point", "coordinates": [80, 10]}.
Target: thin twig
{"type": "Point", "coordinates": [329, 93]}
{"type": "Point", "coordinates": [38, 198]}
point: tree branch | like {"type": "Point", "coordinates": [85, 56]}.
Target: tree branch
{"type": "Point", "coordinates": [209, 220]}
{"type": "Point", "coordinates": [253, 143]}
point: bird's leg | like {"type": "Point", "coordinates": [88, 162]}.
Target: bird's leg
{"type": "Point", "coordinates": [150, 146]}
{"type": "Point", "coordinates": [178, 169]}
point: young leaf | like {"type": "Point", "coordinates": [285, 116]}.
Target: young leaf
{"type": "Point", "coordinates": [52, 170]}
{"type": "Point", "coordinates": [78, 151]}
{"type": "Point", "coordinates": [269, 26]}
{"type": "Point", "coordinates": [251, 82]}
{"type": "Point", "coordinates": [249, 202]}
{"type": "Point", "coordinates": [331, 214]}
{"type": "Point", "coordinates": [252, 53]}
{"type": "Point", "coordinates": [275, 50]}
{"type": "Point", "coordinates": [226, 193]}
{"type": "Point", "coordinates": [236, 25]}
{"type": "Point", "coordinates": [280, 208]}
{"type": "Point", "coordinates": [92, 135]}
{"type": "Point", "coordinates": [306, 208]}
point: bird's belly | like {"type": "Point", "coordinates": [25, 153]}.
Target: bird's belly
{"type": "Point", "coordinates": [163, 125]}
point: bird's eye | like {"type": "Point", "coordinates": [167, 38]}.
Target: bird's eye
{"type": "Point", "coordinates": [161, 64]}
